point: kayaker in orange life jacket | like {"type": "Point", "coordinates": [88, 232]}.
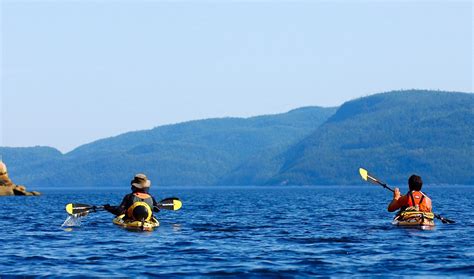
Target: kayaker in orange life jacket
{"type": "Point", "coordinates": [138, 203]}
{"type": "Point", "coordinates": [414, 197]}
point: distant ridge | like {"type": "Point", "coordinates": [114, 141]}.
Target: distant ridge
{"type": "Point", "coordinates": [394, 134]}
{"type": "Point", "coordinates": [196, 152]}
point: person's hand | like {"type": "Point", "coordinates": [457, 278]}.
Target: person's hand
{"type": "Point", "coordinates": [396, 194]}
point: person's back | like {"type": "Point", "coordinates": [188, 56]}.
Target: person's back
{"type": "Point", "coordinates": [414, 198]}
{"type": "Point", "coordinates": [139, 204]}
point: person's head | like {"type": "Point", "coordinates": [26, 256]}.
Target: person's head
{"type": "Point", "coordinates": [3, 168]}
{"type": "Point", "coordinates": [415, 183]}
{"type": "Point", "coordinates": [140, 183]}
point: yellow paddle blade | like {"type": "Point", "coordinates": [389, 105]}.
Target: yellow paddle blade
{"type": "Point", "coordinates": [177, 204]}
{"type": "Point", "coordinates": [69, 208]}
{"type": "Point", "coordinates": [170, 204]}
{"type": "Point", "coordinates": [363, 173]}
{"type": "Point", "coordinates": [368, 177]}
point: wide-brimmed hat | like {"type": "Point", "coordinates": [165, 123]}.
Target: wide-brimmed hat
{"type": "Point", "coordinates": [140, 181]}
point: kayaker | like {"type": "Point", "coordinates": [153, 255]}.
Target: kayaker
{"type": "Point", "coordinates": [139, 204]}
{"type": "Point", "coordinates": [414, 198]}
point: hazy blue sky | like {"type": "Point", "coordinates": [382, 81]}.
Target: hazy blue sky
{"type": "Point", "coordinates": [76, 71]}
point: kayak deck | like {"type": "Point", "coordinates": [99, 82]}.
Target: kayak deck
{"type": "Point", "coordinates": [416, 219]}
{"type": "Point", "coordinates": [136, 225]}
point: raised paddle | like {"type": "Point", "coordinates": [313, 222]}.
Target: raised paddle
{"type": "Point", "coordinates": [370, 178]}
{"type": "Point", "coordinates": [79, 208]}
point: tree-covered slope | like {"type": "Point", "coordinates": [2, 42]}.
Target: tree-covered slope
{"type": "Point", "coordinates": [392, 134]}
{"type": "Point", "coordinates": [191, 153]}
{"type": "Point", "coordinates": [25, 164]}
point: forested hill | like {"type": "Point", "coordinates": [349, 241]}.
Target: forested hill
{"type": "Point", "coordinates": [392, 134]}
{"type": "Point", "coordinates": [191, 153]}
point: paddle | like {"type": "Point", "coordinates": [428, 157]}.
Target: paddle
{"type": "Point", "coordinates": [79, 208]}
{"type": "Point", "coordinates": [170, 204]}
{"type": "Point", "coordinates": [370, 178]}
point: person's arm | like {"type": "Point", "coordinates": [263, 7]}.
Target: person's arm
{"type": "Point", "coordinates": [428, 204]}
{"type": "Point", "coordinates": [118, 210]}
{"type": "Point", "coordinates": [155, 205]}
{"type": "Point", "coordinates": [396, 203]}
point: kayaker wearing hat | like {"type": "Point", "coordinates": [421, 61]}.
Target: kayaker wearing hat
{"type": "Point", "coordinates": [137, 205]}
{"type": "Point", "coordinates": [414, 198]}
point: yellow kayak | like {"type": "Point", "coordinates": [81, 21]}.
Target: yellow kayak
{"type": "Point", "coordinates": [136, 225]}
{"type": "Point", "coordinates": [414, 219]}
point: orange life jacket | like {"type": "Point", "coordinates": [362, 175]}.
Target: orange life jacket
{"type": "Point", "coordinates": [143, 197]}
{"type": "Point", "coordinates": [417, 198]}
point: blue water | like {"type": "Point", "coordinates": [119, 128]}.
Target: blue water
{"type": "Point", "coordinates": [239, 231]}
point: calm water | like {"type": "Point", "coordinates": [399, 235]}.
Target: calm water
{"type": "Point", "coordinates": [239, 231]}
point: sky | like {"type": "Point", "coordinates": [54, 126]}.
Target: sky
{"type": "Point", "coordinates": [76, 71]}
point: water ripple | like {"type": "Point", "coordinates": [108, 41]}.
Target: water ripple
{"type": "Point", "coordinates": [239, 232]}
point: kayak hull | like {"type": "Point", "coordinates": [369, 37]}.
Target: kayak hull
{"type": "Point", "coordinates": [413, 224]}
{"type": "Point", "coordinates": [414, 219]}
{"type": "Point", "coordinates": [136, 225]}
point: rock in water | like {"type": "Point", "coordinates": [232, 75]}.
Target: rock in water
{"type": "Point", "coordinates": [6, 191]}
{"type": "Point", "coordinates": [8, 188]}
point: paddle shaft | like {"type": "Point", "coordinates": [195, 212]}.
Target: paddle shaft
{"type": "Point", "coordinates": [385, 186]}
{"type": "Point", "coordinates": [93, 207]}
{"type": "Point", "coordinates": [367, 176]}
{"type": "Point", "coordinates": [168, 204]}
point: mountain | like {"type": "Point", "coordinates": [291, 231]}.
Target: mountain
{"type": "Point", "coordinates": [191, 153]}
{"type": "Point", "coordinates": [394, 135]}
{"type": "Point", "coordinates": [25, 164]}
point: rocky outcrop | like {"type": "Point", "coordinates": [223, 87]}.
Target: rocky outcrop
{"type": "Point", "coordinates": [8, 188]}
